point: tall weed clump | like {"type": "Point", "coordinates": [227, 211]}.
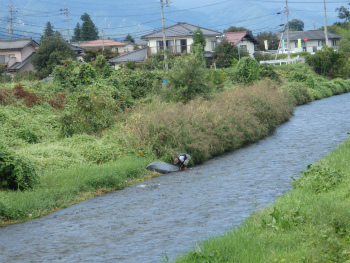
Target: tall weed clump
{"type": "Point", "coordinates": [206, 128]}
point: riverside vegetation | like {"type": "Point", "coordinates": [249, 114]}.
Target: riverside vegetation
{"type": "Point", "coordinates": [93, 130]}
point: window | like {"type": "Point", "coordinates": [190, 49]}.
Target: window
{"type": "Point", "coordinates": [334, 43]}
{"type": "Point", "coordinates": [169, 44]}
{"type": "Point", "coordinates": [320, 43]}
{"type": "Point", "coordinates": [180, 45]}
{"type": "Point", "coordinates": [243, 48]}
{"type": "Point", "coordinates": [213, 45]}
{"type": "Point", "coordinates": [2, 59]}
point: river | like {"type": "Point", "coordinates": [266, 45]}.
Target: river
{"type": "Point", "coordinates": [167, 215]}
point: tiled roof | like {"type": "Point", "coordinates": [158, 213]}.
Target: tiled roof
{"type": "Point", "coordinates": [235, 37]}
{"type": "Point", "coordinates": [137, 56]}
{"type": "Point", "coordinates": [141, 42]}
{"type": "Point", "coordinates": [310, 35]}
{"type": "Point", "coordinates": [101, 43]}
{"type": "Point", "coordinates": [180, 30]}
{"type": "Point", "coordinates": [16, 43]}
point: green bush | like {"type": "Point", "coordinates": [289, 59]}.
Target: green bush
{"type": "Point", "coordinates": [328, 62]}
{"type": "Point", "coordinates": [16, 172]}
{"type": "Point", "coordinates": [268, 71]}
{"type": "Point", "coordinates": [217, 76]}
{"type": "Point", "coordinates": [187, 78]}
{"type": "Point", "coordinates": [297, 93]}
{"type": "Point", "coordinates": [246, 71]}
{"type": "Point", "coordinates": [89, 110]}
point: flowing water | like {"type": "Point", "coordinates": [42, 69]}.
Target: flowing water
{"type": "Point", "coordinates": [170, 213]}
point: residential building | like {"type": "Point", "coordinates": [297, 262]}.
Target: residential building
{"type": "Point", "coordinates": [136, 56]}
{"type": "Point", "coordinates": [16, 54]}
{"type": "Point", "coordinates": [243, 40]}
{"type": "Point", "coordinates": [310, 41]}
{"type": "Point", "coordinates": [112, 45]}
{"type": "Point", "coordinates": [179, 39]}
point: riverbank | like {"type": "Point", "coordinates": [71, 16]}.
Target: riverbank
{"type": "Point", "coordinates": [311, 223]}
{"type": "Point", "coordinates": [75, 168]}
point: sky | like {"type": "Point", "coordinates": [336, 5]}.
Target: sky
{"type": "Point", "coordinates": [117, 18]}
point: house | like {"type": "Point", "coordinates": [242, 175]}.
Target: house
{"type": "Point", "coordinates": [79, 52]}
{"type": "Point", "coordinates": [310, 41]}
{"type": "Point", "coordinates": [179, 39]}
{"type": "Point", "coordinates": [243, 40]}
{"type": "Point", "coordinates": [16, 54]}
{"type": "Point", "coordinates": [112, 45]}
{"type": "Point", "coordinates": [136, 56]}
{"type": "Point", "coordinates": [141, 43]}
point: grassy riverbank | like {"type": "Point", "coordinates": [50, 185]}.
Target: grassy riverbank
{"type": "Point", "coordinates": [311, 223]}
{"type": "Point", "coordinates": [42, 123]}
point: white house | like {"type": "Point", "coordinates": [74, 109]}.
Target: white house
{"type": "Point", "coordinates": [16, 53]}
{"type": "Point", "coordinates": [179, 39]}
{"type": "Point", "coordinates": [243, 40]}
{"type": "Point", "coordinates": [310, 41]}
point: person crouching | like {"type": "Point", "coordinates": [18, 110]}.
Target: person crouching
{"type": "Point", "coordinates": [183, 160]}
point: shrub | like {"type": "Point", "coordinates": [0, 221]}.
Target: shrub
{"type": "Point", "coordinates": [217, 76]}
{"type": "Point", "coordinates": [89, 110]}
{"type": "Point", "coordinates": [328, 62]}
{"type": "Point", "coordinates": [16, 172]}
{"type": "Point", "coordinates": [268, 71]}
{"type": "Point", "coordinates": [186, 78]}
{"type": "Point", "coordinates": [246, 71]}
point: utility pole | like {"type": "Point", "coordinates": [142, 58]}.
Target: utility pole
{"type": "Point", "coordinates": [325, 22]}
{"type": "Point", "coordinates": [103, 42]}
{"type": "Point", "coordinates": [12, 17]}
{"type": "Point", "coordinates": [167, 2]}
{"type": "Point", "coordinates": [66, 12]}
{"type": "Point", "coordinates": [287, 23]}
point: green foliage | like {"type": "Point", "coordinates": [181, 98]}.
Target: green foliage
{"type": "Point", "coordinates": [217, 76]}
{"type": "Point", "coordinates": [246, 71]}
{"type": "Point", "coordinates": [49, 30]}
{"type": "Point", "coordinates": [259, 56]}
{"type": "Point", "coordinates": [88, 110]}
{"type": "Point", "coordinates": [77, 33]}
{"type": "Point", "coordinates": [272, 39]}
{"type": "Point", "coordinates": [103, 69]}
{"type": "Point", "coordinates": [328, 62]}
{"type": "Point", "coordinates": [51, 52]}
{"type": "Point", "coordinates": [186, 78]}
{"type": "Point", "coordinates": [268, 71]}
{"type": "Point", "coordinates": [92, 54]}
{"type": "Point", "coordinates": [296, 25]}
{"type": "Point", "coordinates": [319, 178]}
{"type": "Point", "coordinates": [130, 65]}
{"type": "Point", "coordinates": [297, 93]}
{"type": "Point", "coordinates": [16, 172]}
{"type": "Point", "coordinates": [198, 38]}
{"type": "Point", "coordinates": [224, 54]}
{"type": "Point", "coordinates": [129, 38]}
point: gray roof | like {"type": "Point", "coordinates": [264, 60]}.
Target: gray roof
{"type": "Point", "coordinates": [136, 55]}
{"type": "Point", "coordinates": [310, 35]}
{"type": "Point", "coordinates": [141, 42]}
{"type": "Point", "coordinates": [16, 43]}
{"type": "Point", "coordinates": [180, 30]}
{"type": "Point", "coordinates": [18, 65]}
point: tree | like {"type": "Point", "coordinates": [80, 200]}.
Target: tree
{"type": "Point", "coordinates": [49, 30]}
{"type": "Point", "coordinates": [88, 29]}
{"type": "Point", "coordinates": [225, 53]}
{"type": "Point", "coordinates": [51, 52]}
{"type": "Point", "coordinates": [198, 38]}
{"type": "Point", "coordinates": [77, 33]}
{"type": "Point", "coordinates": [343, 13]}
{"type": "Point", "coordinates": [129, 38]}
{"type": "Point", "coordinates": [296, 25]}
{"type": "Point", "coordinates": [238, 29]}
{"type": "Point", "coordinates": [272, 40]}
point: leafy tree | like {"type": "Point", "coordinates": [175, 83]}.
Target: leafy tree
{"type": "Point", "coordinates": [343, 13]}
{"type": "Point", "coordinates": [129, 38]}
{"type": "Point", "coordinates": [198, 38]}
{"type": "Point", "coordinates": [296, 25]}
{"type": "Point", "coordinates": [51, 52]}
{"type": "Point", "coordinates": [88, 29]}
{"type": "Point", "coordinates": [77, 33]}
{"type": "Point", "coordinates": [49, 30]}
{"type": "Point", "coordinates": [224, 53]}
{"type": "Point", "coordinates": [92, 54]}
{"type": "Point", "coordinates": [271, 38]}
{"type": "Point", "coordinates": [237, 29]}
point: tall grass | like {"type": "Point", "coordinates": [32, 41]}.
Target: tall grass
{"type": "Point", "coordinates": [301, 226]}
